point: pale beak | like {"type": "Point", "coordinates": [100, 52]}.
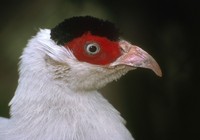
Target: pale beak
{"type": "Point", "coordinates": [136, 57]}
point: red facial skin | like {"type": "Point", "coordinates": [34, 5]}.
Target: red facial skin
{"type": "Point", "coordinates": [108, 53]}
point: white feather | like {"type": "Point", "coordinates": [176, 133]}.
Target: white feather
{"type": "Point", "coordinates": [56, 97]}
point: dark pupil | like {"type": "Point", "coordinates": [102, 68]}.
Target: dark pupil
{"type": "Point", "coordinates": [93, 49]}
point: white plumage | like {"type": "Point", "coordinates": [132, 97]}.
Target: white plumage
{"type": "Point", "coordinates": [57, 97]}
{"type": "Point", "coordinates": [47, 108]}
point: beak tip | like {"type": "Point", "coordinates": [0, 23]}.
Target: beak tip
{"type": "Point", "coordinates": [155, 67]}
{"type": "Point", "coordinates": [159, 73]}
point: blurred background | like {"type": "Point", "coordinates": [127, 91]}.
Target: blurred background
{"type": "Point", "coordinates": [155, 108]}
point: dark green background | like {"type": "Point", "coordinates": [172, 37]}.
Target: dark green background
{"type": "Point", "coordinates": [155, 108]}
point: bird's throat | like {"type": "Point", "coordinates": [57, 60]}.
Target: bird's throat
{"type": "Point", "coordinates": [57, 109]}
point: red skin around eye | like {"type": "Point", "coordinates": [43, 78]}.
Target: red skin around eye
{"type": "Point", "coordinates": [109, 50]}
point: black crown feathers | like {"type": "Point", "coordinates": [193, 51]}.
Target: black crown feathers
{"type": "Point", "coordinates": [76, 26]}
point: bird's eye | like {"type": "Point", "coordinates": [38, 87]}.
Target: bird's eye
{"type": "Point", "coordinates": [92, 48]}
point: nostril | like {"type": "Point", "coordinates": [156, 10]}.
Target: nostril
{"type": "Point", "coordinates": [122, 50]}
{"type": "Point", "coordinates": [124, 46]}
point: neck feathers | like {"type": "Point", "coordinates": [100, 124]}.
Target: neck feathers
{"type": "Point", "coordinates": [44, 107]}
{"type": "Point", "coordinates": [43, 111]}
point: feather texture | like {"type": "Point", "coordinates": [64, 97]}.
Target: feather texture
{"type": "Point", "coordinates": [56, 97]}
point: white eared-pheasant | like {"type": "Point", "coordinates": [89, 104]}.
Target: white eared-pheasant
{"type": "Point", "coordinates": [60, 71]}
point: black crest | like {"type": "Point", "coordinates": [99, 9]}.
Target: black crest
{"type": "Point", "coordinates": [76, 26]}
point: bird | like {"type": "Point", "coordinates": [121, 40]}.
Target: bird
{"type": "Point", "coordinates": [60, 73]}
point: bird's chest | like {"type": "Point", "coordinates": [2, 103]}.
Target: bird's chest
{"type": "Point", "coordinates": [70, 122]}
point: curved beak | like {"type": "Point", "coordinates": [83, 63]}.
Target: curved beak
{"type": "Point", "coordinates": [136, 57]}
